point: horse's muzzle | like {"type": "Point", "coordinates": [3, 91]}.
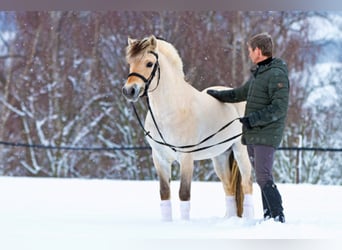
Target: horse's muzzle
{"type": "Point", "coordinates": [132, 92]}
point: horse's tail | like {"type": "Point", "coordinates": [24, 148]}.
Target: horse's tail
{"type": "Point", "coordinates": [236, 184]}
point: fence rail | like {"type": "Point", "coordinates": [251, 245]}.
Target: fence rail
{"type": "Point", "coordinates": [124, 148]}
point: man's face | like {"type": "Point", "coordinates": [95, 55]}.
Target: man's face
{"type": "Point", "coordinates": [255, 55]}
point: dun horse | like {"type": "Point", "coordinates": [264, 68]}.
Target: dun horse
{"type": "Point", "coordinates": [184, 125]}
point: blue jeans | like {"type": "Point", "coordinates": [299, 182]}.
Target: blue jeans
{"type": "Point", "coordinates": [262, 158]}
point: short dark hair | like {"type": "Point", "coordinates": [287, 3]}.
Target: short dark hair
{"type": "Point", "coordinates": [264, 42]}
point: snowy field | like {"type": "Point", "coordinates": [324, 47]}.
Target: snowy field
{"type": "Point", "coordinates": [38, 213]}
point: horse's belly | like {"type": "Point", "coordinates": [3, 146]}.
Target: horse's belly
{"type": "Point", "coordinates": [211, 152]}
{"type": "Point", "coordinates": [166, 154]}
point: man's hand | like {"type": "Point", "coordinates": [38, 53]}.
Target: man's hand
{"type": "Point", "coordinates": [222, 95]}
{"type": "Point", "coordinates": [214, 93]}
{"type": "Point", "coordinates": [245, 122]}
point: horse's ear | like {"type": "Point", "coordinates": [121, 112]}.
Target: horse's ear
{"type": "Point", "coordinates": [153, 42]}
{"type": "Point", "coordinates": [130, 41]}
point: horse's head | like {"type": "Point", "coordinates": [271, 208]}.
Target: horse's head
{"type": "Point", "coordinates": [143, 64]}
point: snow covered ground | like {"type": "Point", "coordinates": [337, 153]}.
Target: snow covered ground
{"type": "Point", "coordinates": [38, 213]}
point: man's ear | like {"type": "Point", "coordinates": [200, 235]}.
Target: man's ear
{"type": "Point", "coordinates": [259, 51]}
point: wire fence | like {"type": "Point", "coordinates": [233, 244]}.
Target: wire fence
{"type": "Point", "coordinates": [310, 149]}
{"type": "Point", "coordinates": [127, 148]}
{"type": "Point", "coordinates": [297, 150]}
{"type": "Point", "coordinates": [72, 148]}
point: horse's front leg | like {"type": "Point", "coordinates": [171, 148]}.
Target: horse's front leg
{"type": "Point", "coordinates": [186, 172]}
{"type": "Point", "coordinates": [164, 173]}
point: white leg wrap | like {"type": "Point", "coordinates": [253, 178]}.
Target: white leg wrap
{"type": "Point", "coordinates": [230, 206]}
{"type": "Point", "coordinates": [185, 210]}
{"type": "Point", "coordinates": [166, 210]}
{"type": "Point", "coordinates": [248, 207]}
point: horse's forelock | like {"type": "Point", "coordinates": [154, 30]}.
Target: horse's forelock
{"type": "Point", "coordinates": [137, 47]}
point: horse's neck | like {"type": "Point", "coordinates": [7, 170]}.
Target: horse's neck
{"type": "Point", "coordinates": [172, 94]}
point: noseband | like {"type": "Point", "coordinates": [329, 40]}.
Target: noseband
{"type": "Point", "coordinates": [148, 80]}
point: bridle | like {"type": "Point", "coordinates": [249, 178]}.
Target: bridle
{"type": "Point", "coordinates": [148, 80]}
{"type": "Point", "coordinates": [175, 148]}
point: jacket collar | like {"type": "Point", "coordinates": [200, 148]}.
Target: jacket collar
{"type": "Point", "coordinates": [265, 62]}
{"type": "Point", "coordinates": [261, 66]}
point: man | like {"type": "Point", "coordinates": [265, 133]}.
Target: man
{"type": "Point", "coordinates": [267, 94]}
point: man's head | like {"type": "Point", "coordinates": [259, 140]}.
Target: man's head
{"type": "Point", "coordinates": [260, 47]}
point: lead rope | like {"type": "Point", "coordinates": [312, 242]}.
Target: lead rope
{"type": "Point", "coordinates": [180, 148]}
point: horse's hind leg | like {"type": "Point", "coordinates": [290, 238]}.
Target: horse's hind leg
{"type": "Point", "coordinates": [223, 171]}
{"type": "Point", "coordinates": [164, 174]}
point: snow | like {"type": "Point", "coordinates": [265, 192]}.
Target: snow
{"type": "Point", "coordinates": [47, 213]}
{"type": "Point", "coordinates": [323, 92]}
{"type": "Point", "coordinates": [322, 28]}
{"type": "Point", "coordinates": [324, 96]}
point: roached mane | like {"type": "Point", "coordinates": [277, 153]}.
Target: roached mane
{"type": "Point", "coordinates": [143, 46]}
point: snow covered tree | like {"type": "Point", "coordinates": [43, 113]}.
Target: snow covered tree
{"type": "Point", "coordinates": [62, 71]}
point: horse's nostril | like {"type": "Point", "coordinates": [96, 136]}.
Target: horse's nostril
{"type": "Point", "coordinates": [132, 91]}
{"type": "Point", "coordinates": [128, 92]}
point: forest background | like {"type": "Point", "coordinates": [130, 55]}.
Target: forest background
{"type": "Point", "coordinates": [61, 74]}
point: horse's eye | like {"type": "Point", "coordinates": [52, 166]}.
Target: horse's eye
{"type": "Point", "coordinates": [149, 64]}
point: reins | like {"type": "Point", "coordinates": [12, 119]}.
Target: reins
{"type": "Point", "coordinates": [176, 148]}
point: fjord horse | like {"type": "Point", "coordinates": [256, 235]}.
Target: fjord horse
{"type": "Point", "coordinates": [184, 125]}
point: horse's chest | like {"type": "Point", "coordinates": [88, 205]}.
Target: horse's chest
{"type": "Point", "coordinates": [175, 128]}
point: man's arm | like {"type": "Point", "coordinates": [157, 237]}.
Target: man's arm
{"type": "Point", "coordinates": [231, 95]}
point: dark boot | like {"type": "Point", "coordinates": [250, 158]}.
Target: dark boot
{"type": "Point", "coordinates": [273, 201]}
{"type": "Point", "coordinates": [266, 209]}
